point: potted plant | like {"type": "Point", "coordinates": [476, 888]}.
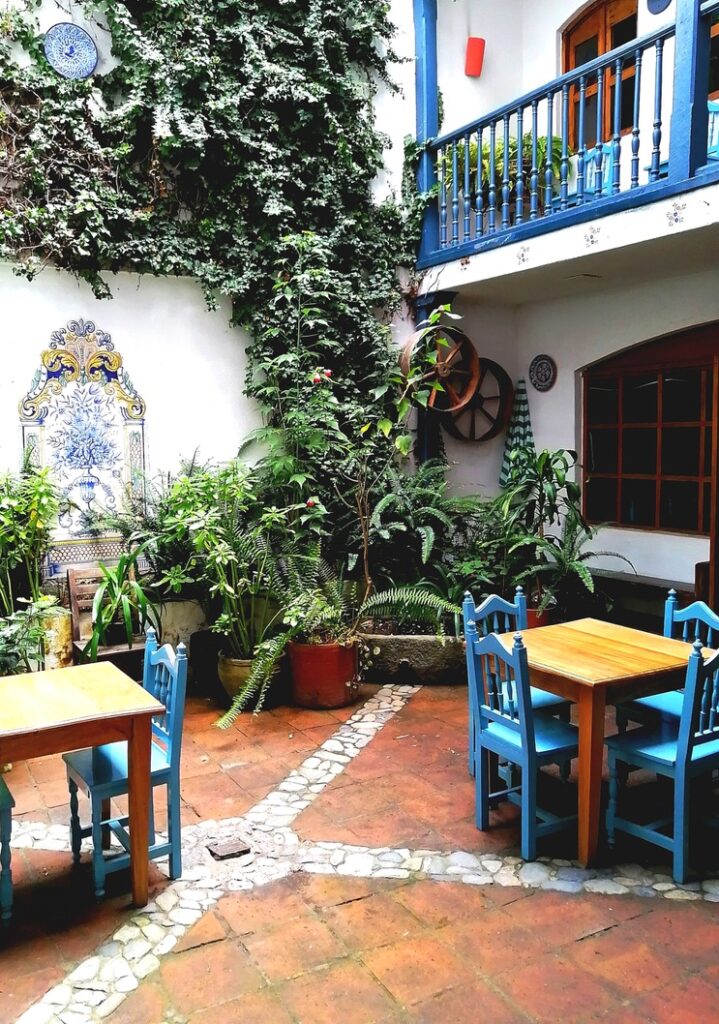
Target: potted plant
{"type": "Point", "coordinates": [121, 607]}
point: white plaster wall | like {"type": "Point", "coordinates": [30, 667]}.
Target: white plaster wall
{"type": "Point", "coordinates": [395, 112]}
{"type": "Point", "coordinates": [577, 332]}
{"type": "Point", "coordinates": [188, 363]}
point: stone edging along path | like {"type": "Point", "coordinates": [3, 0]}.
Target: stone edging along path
{"type": "Point", "coordinates": [99, 985]}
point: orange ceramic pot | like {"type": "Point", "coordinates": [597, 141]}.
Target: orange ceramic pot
{"type": "Point", "coordinates": [323, 675]}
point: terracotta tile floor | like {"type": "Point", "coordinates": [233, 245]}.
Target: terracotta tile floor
{"type": "Point", "coordinates": [312, 949]}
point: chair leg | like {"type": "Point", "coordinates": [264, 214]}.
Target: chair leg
{"type": "Point", "coordinates": [622, 719]}
{"type": "Point", "coordinates": [5, 870]}
{"type": "Point", "coordinates": [98, 860]}
{"type": "Point", "coordinates": [613, 793]}
{"type": "Point", "coordinates": [106, 833]}
{"type": "Point", "coordinates": [472, 743]}
{"type": "Point", "coordinates": [682, 805]}
{"type": "Point", "coordinates": [174, 830]}
{"type": "Point", "coordinates": [75, 830]}
{"type": "Point", "coordinates": [529, 813]}
{"type": "Point", "coordinates": [481, 788]}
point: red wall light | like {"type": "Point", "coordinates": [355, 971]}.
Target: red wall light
{"type": "Point", "coordinates": [475, 56]}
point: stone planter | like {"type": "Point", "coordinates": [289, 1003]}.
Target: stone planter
{"type": "Point", "coordinates": [233, 673]}
{"type": "Point", "coordinates": [179, 620]}
{"type": "Point", "coordinates": [415, 660]}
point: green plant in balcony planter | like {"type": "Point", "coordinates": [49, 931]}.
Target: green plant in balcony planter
{"type": "Point", "coordinates": [121, 606]}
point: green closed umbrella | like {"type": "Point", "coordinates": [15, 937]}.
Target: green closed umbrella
{"type": "Point", "coordinates": [519, 431]}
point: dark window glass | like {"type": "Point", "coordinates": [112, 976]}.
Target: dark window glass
{"type": "Point", "coordinates": [640, 399]}
{"type": "Point", "coordinates": [708, 451]}
{"type": "Point", "coordinates": [638, 502]}
{"type": "Point", "coordinates": [586, 51]}
{"type": "Point", "coordinates": [639, 450]}
{"type": "Point", "coordinates": [680, 451]}
{"type": "Point", "coordinates": [707, 517]}
{"type": "Point", "coordinates": [714, 63]}
{"type": "Point", "coordinates": [679, 506]}
{"type": "Point", "coordinates": [601, 500]}
{"type": "Point", "coordinates": [682, 401]}
{"type": "Point", "coordinates": [627, 105]}
{"type": "Point", "coordinates": [603, 451]}
{"type": "Point", "coordinates": [590, 122]}
{"type": "Point", "coordinates": [624, 31]}
{"type": "Point", "coordinates": [603, 401]}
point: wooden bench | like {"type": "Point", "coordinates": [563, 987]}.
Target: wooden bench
{"type": "Point", "coordinates": [638, 601]}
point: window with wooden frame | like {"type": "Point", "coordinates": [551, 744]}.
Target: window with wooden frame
{"type": "Point", "coordinates": [714, 59]}
{"type": "Point", "coordinates": [650, 435]}
{"type": "Point", "coordinates": [601, 28]}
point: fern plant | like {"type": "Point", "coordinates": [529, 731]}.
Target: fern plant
{"type": "Point", "coordinates": [322, 607]}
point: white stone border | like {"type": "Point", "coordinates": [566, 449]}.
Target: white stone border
{"type": "Point", "coordinates": [99, 985]}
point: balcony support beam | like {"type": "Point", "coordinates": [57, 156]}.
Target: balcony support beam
{"type": "Point", "coordinates": [427, 98]}
{"type": "Point", "coordinates": [688, 149]}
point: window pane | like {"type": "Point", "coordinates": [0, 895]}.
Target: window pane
{"type": "Point", "coordinates": [682, 396]}
{"type": "Point", "coordinates": [679, 506]}
{"type": "Point", "coordinates": [638, 502]}
{"type": "Point", "coordinates": [590, 121]}
{"type": "Point", "coordinates": [714, 65]}
{"type": "Point", "coordinates": [603, 401]}
{"type": "Point", "coordinates": [603, 451]}
{"type": "Point", "coordinates": [639, 450]}
{"type": "Point", "coordinates": [586, 51]}
{"type": "Point", "coordinates": [627, 112]}
{"type": "Point", "coordinates": [708, 451]}
{"type": "Point", "coordinates": [680, 451]}
{"type": "Point", "coordinates": [707, 517]}
{"type": "Point", "coordinates": [640, 399]}
{"type": "Point", "coordinates": [624, 31]}
{"type": "Point", "coordinates": [601, 500]}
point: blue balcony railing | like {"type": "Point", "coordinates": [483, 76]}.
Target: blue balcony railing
{"type": "Point", "coordinates": [626, 129]}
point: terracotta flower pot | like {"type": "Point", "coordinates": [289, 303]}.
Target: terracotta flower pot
{"type": "Point", "coordinates": [536, 619]}
{"type": "Point", "coordinates": [324, 676]}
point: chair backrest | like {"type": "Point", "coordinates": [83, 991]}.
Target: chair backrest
{"type": "Point", "coordinates": [165, 677]}
{"type": "Point", "coordinates": [700, 709]}
{"type": "Point", "coordinates": [499, 677]}
{"type": "Point", "coordinates": [81, 586]}
{"type": "Point", "coordinates": [696, 621]}
{"type": "Point", "coordinates": [495, 614]}
{"type": "Point", "coordinates": [713, 130]}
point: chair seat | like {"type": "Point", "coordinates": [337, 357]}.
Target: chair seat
{"type": "Point", "coordinates": [550, 737]}
{"type": "Point", "coordinates": [658, 746]}
{"type": "Point", "coordinates": [106, 767]}
{"type": "Point", "coordinates": [6, 798]}
{"type": "Point", "coordinates": [669, 704]}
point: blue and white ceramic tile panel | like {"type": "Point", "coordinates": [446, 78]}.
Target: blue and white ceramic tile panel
{"type": "Point", "coordinates": [83, 417]}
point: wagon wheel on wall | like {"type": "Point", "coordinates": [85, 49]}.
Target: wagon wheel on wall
{"type": "Point", "coordinates": [487, 413]}
{"type": "Point", "coordinates": [456, 370]}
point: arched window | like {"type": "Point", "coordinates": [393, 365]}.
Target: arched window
{"type": "Point", "coordinates": [597, 30]}
{"type": "Point", "coordinates": [650, 458]}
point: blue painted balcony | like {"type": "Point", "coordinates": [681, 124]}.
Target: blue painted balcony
{"type": "Point", "coordinates": [630, 128]}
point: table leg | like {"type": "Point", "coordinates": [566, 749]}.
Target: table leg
{"type": "Point", "coordinates": [592, 701]}
{"type": "Point", "coordinates": [139, 799]}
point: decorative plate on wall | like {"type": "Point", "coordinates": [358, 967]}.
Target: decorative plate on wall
{"type": "Point", "coordinates": [657, 6]}
{"type": "Point", "coordinates": [542, 373]}
{"type": "Point", "coordinates": [70, 50]}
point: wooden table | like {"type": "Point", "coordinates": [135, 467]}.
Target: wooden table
{"type": "Point", "coordinates": [52, 712]}
{"type": "Point", "coordinates": [592, 663]}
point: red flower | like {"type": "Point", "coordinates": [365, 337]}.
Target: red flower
{"type": "Point", "coordinates": [311, 503]}
{"type": "Point", "coordinates": [328, 373]}
{"type": "Point", "coordinates": [316, 379]}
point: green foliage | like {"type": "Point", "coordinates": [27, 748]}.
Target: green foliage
{"type": "Point", "coordinates": [29, 505]}
{"type": "Point", "coordinates": [120, 600]}
{"type": "Point", "coordinates": [21, 641]}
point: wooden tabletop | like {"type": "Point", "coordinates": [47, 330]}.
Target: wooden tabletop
{"type": "Point", "coordinates": [596, 653]}
{"type": "Point", "coordinates": [84, 693]}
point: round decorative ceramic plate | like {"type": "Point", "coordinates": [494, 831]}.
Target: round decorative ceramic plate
{"type": "Point", "coordinates": [70, 50]}
{"type": "Point", "coordinates": [542, 372]}
{"type": "Point", "coordinates": [657, 6]}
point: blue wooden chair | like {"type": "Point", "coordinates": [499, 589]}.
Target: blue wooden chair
{"type": "Point", "coordinates": [590, 178]}
{"type": "Point", "coordinates": [495, 615]}
{"type": "Point", "coordinates": [101, 772]}
{"type": "Point", "coordinates": [681, 751]}
{"type": "Point", "coordinates": [6, 805]}
{"type": "Point", "coordinates": [506, 726]}
{"type": "Point", "coordinates": [713, 131]}
{"type": "Point", "coordinates": [697, 620]}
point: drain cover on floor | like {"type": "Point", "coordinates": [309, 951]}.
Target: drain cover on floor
{"type": "Point", "coordinates": [229, 848]}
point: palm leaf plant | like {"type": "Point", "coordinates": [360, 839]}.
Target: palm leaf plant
{"type": "Point", "coordinates": [120, 601]}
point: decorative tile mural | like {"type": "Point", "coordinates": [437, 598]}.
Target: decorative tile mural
{"type": "Point", "coordinates": [84, 419]}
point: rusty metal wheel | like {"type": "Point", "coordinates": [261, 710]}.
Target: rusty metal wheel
{"type": "Point", "coordinates": [487, 413]}
{"type": "Point", "coordinates": [456, 370]}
